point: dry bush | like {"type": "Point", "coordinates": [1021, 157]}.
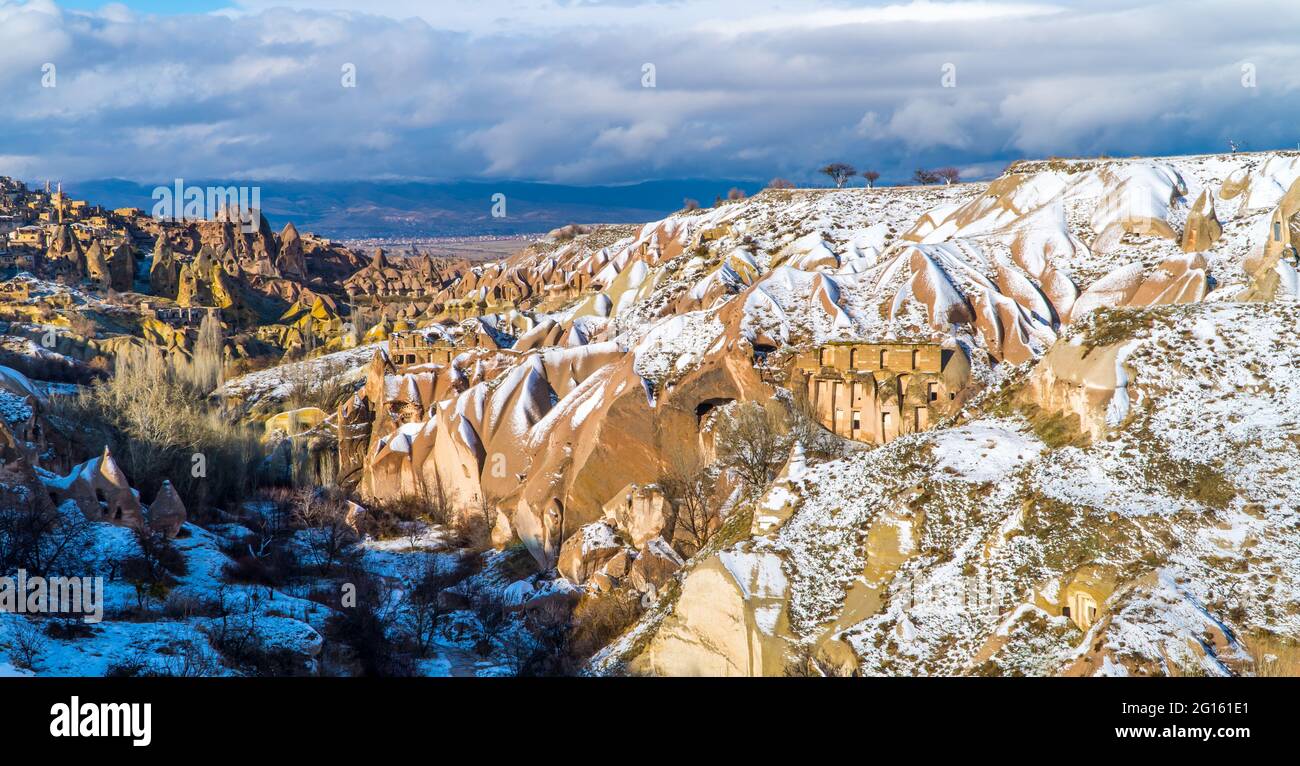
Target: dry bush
{"type": "Point", "coordinates": [81, 324]}
{"type": "Point", "coordinates": [817, 441]}
{"type": "Point", "coordinates": [752, 440]}
{"type": "Point", "coordinates": [425, 606]}
{"type": "Point", "coordinates": [598, 620]}
{"type": "Point", "coordinates": [323, 385]}
{"type": "Point", "coordinates": [27, 645]}
{"type": "Point", "coordinates": [154, 415]}
{"type": "Point", "coordinates": [205, 370]}
{"type": "Point", "coordinates": [273, 566]}
{"type": "Point", "coordinates": [37, 538]}
{"type": "Point", "coordinates": [189, 659]}
{"type": "Point", "coordinates": [1274, 656]}
{"type": "Point", "coordinates": [472, 532]}
{"type": "Point", "coordinates": [688, 484]}
{"type": "Point", "coordinates": [323, 513]}
{"type": "Point", "coordinates": [387, 519]}
{"type": "Point", "coordinates": [779, 183]}
{"type": "Point", "coordinates": [240, 644]}
{"type": "Point", "coordinates": [101, 364]}
{"type": "Point", "coordinates": [183, 605]}
{"type": "Point", "coordinates": [365, 627]}
{"type": "Point", "coordinates": [438, 506]}
{"type": "Point", "coordinates": [68, 629]}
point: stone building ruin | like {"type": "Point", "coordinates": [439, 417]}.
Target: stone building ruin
{"type": "Point", "coordinates": [408, 349]}
{"type": "Point", "coordinates": [876, 392]}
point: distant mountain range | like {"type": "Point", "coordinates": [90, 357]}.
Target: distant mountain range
{"type": "Point", "coordinates": [356, 209]}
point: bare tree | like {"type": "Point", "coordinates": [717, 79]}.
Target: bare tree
{"type": "Point", "coordinates": [871, 176]}
{"type": "Point", "coordinates": [367, 626]}
{"type": "Point", "coordinates": [816, 440]}
{"type": "Point", "coordinates": [324, 514]}
{"type": "Point", "coordinates": [687, 483]}
{"type": "Point", "coordinates": [438, 504]}
{"type": "Point", "coordinates": [424, 605]}
{"type": "Point", "coordinates": [752, 441]}
{"type": "Point", "coordinates": [36, 537]}
{"type": "Point", "coordinates": [780, 183]}
{"type": "Point", "coordinates": [488, 504]}
{"type": "Point", "coordinates": [925, 177]}
{"type": "Point", "coordinates": [735, 194]}
{"type": "Point", "coordinates": [27, 645]}
{"type": "Point", "coordinates": [194, 660]}
{"type": "Point", "coordinates": [840, 173]}
{"type": "Point", "coordinates": [949, 175]}
{"type": "Point", "coordinates": [207, 363]}
{"type": "Point", "coordinates": [690, 204]}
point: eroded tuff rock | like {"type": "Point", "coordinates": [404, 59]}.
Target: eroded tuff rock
{"type": "Point", "coordinates": [167, 511]}
{"type": "Point", "coordinates": [1005, 544]}
{"type": "Point", "coordinates": [548, 416]}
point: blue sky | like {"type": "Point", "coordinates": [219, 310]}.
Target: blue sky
{"type": "Point", "coordinates": [552, 90]}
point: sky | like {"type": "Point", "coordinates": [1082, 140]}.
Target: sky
{"type": "Point", "coordinates": [556, 90]}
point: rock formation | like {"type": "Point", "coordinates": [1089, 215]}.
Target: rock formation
{"type": "Point", "coordinates": [167, 512]}
{"type": "Point", "coordinates": [164, 273]}
{"type": "Point", "coordinates": [100, 489]}
{"type": "Point", "coordinates": [291, 262]}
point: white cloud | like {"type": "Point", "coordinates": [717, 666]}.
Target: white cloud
{"type": "Point", "coordinates": [917, 12]}
{"type": "Point", "coordinates": [633, 140]}
{"type": "Point", "coordinates": [551, 89]}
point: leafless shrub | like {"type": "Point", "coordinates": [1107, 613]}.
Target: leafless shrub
{"type": "Point", "coordinates": [598, 620]}
{"type": "Point", "coordinates": [182, 605]}
{"type": "Point", "coordinates": [438, 506]}
{"type": "Point", "coordinates": [390, 518]}
{"type": "Point", "coordinates": [472, 532]}
{"type": "Point", "coordinates": [81, 324]}
{"type": "Point", "coordinates": [206, 367]}
{"type": "Point", "coordinates": [779, 183]}
{"type": "Point", "coordinates": [36, 537]}
{"type": "Point", "coordinates": [1274, 656]}
{"type": "Point", "coordinates": [68, 628]}
{"type": "Point", "coordinates": [323, 514]}
{"type": "Point", "coordinates": [366, 627]}
{"type": "Point", "coordinates": [424, 603]}
{"type": "Point", "coordinates": [27, 645]}
{"type": "Point", "coordinates": [817, 441]}
{"type": "Point", "coordinates": [323, 384]}
{"type": "Point", "coordinates": [160, 427]}
{"type": "Point", "coordinates": [752, 441]}
{"type": "Point", "coordinates": [687, 483]}
{"type": "Point", "coordinates": [871, 176]}
{"type": "Point", "coordinates": [189, 659]}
